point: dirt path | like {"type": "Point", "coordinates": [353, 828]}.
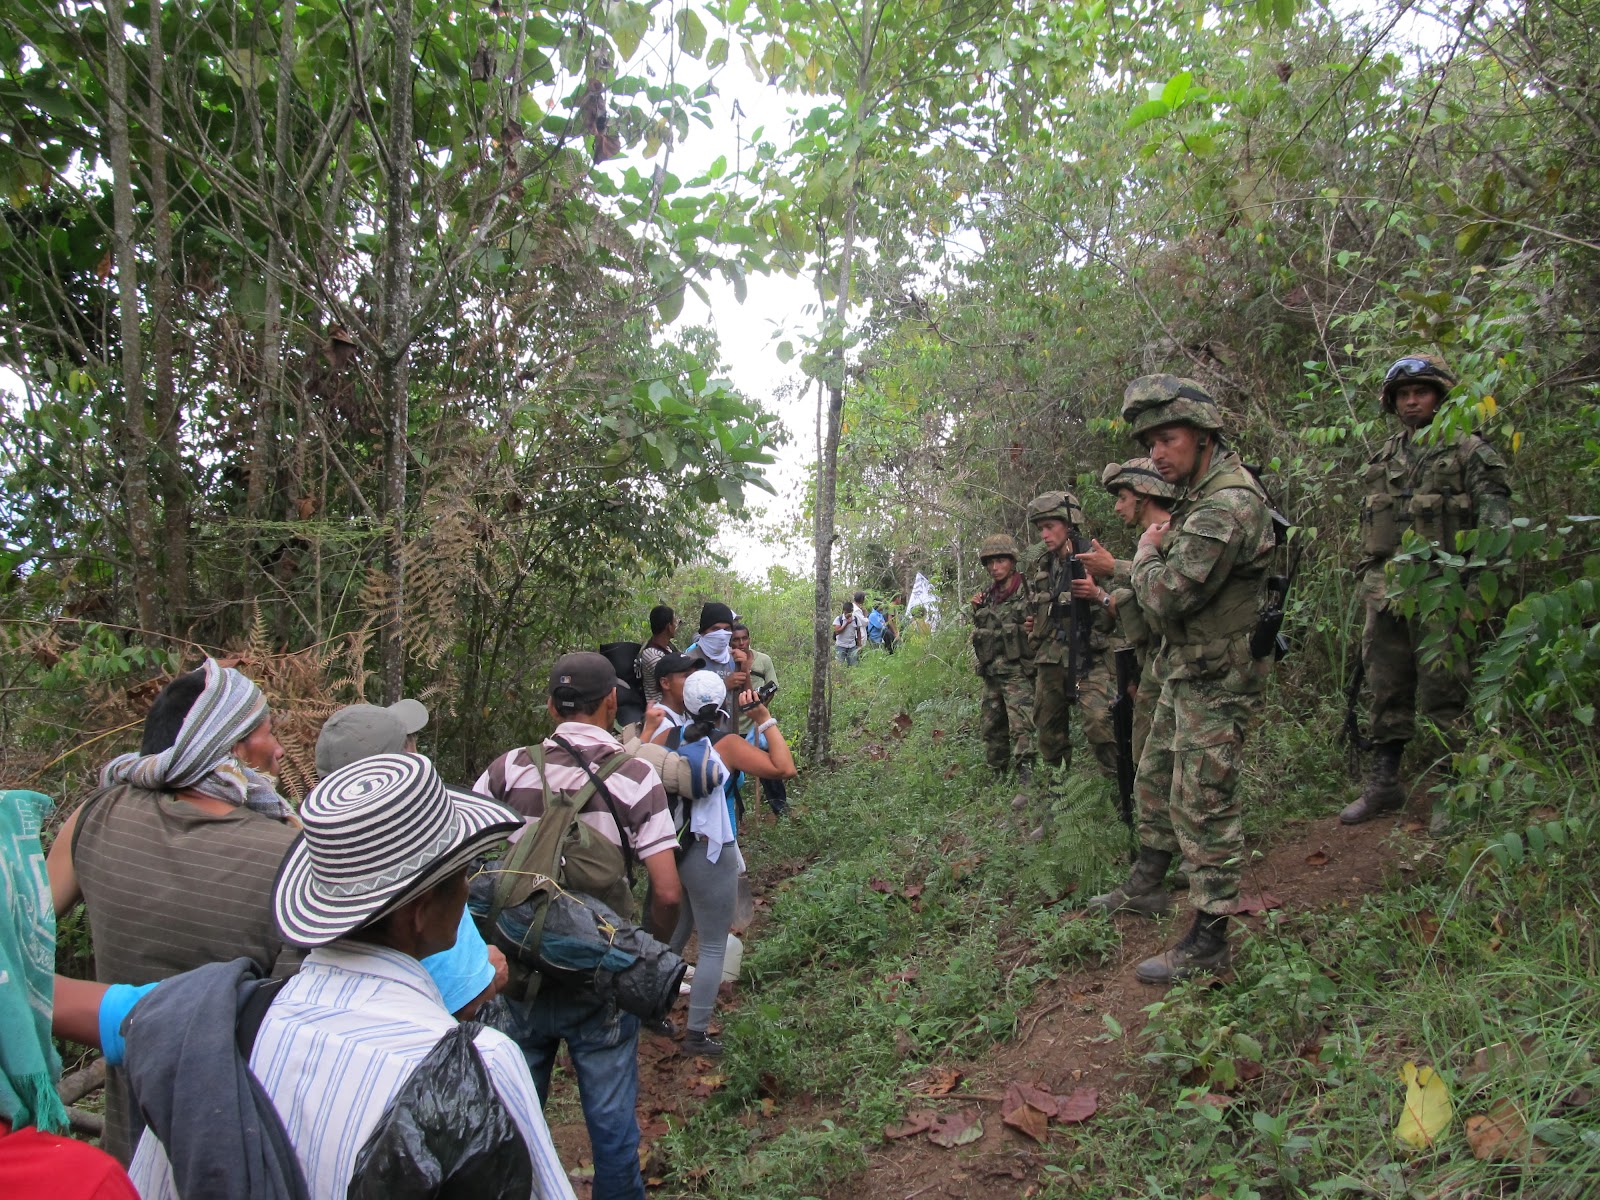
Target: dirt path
{"type": "Point", "coordinates": [1062, 1044]}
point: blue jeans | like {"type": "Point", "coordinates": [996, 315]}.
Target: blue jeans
{"type": "Point", "coordinates": [848, 655]}
{"type": "Point", "coordinates": [604, 1044]}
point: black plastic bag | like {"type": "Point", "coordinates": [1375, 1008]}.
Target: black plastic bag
{"type": "Point", "coordinates": [446, 1135]}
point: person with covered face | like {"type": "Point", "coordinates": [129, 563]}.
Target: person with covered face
{"type": "Point", "coordinates": [1437, 487]}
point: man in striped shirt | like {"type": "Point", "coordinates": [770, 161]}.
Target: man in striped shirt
{"type": "Point", "coordinates": [602, 1039]}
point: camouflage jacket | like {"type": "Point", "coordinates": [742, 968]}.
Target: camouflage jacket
{"type": "Point", "coordinates": [998, 640]}
{"type": "Point", "coordinates": [1050, 581]}
{"type": "Point", "coordinates": [1438, 489]}
{"type": "Point", "coordinates": [1202, 585]}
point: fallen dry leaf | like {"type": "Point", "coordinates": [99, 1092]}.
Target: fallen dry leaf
{"type": "Point", "coordinates": [940, 1083]}
{"type": "Point", "coordinates": [1247, 1069]}
{"type": "Point", "coordinates": [1524, 1056]}
{"type": "Point", "coordinates": [1017, 1111]}
{"type": "Point", "coordinates": [956, 1129]}
{"type": "Point", "coordinates": [951, 771]}
{"type": "Point", "coordinates": [905, 976]}
{"type": "Point", "coordinates": [1317, 858]}
{"type": "Point", "coordinates": [917, 1122]}
{"type": "Point", "coordinates": [1413, 827]}
{"type": "Point", "coordinates": [1542, 814]}
{"type": "Point", "coordinates": [1252, 904]}
{"type": "Point", "coordinates": [768, 1106]}
{"type": "Point", "coordinates": [899, 725]}
{"type": "Point", "coordinates": [1502, 1133]}
{"type": "Point", "coordinates": [1425, 926]}
{"type": "Point", "coordinates": [1215, 1099]}
{"type": "Point", "coordinates": [1077, 1107]}
{"type": "Point", "coordinates": [937, 735]}
{"type": "Point", "coordinates": [911, 891]}
{"type": "Point", "coordinates": [879, 886]}
{"type": "Point", "coordinates": [875, 752]}
{"type": "Point", "coordinates": [1427, 1109]}
{"type": "Point", "coordinates": [704, 1085]}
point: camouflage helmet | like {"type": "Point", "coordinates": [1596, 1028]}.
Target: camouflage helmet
{"type": "Point", "coordinates": [1155, 400]}
{"type": "Point", "coordinates": [998, 545]}
{"type": "Point", "coordinates": [1416, 368]}
{"type": "Point", "coordinates": [1138, 475]}
{"type": "Point", "coordinates": [1060, 506]}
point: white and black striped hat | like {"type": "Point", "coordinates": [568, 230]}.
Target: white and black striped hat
{"type": "Point", "coordinates": [378, 833]}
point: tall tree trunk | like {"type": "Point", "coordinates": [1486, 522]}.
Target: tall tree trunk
{"type": "Point", "coordinates": [395, 334]}
{"type": "Point", "coordinates": [817, 717]}
{"type": "Point", "coordinates": [136, 437]}
{"type": "Point", "coordinates": [170, 475]}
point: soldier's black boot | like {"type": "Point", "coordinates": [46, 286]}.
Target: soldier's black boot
{"type": "Point", "coordinates": [1143, 893]}
{"type": "Point", "coordinates": [1383, 793]}
{"type": "Point", "coordinates": [1202, 951]}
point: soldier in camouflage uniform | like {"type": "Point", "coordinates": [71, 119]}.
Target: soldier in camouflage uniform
{"type": "Point", "coordinates": [1005, 659]}
{"type": "Point", "coordinates": [1143, 498]}
{"type": "Point", "coordinates": [1058, 517]}
{"type": "Point", "coordinates": [1200, 577]}
{"type": "Point", "coordinates": [1438, 488]}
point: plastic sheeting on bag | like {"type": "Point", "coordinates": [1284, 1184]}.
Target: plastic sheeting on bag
{"type": "Point", "coordinates": [446, 1135]}
{"type": "Point", "coordinates": [583, 940]}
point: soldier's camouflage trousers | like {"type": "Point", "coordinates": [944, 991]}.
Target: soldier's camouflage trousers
{"type": "Point", "coordinates": [1052, 715]}
{"type": "Point", "coordinates": [1401, 685]}
{"type": "Point", "coordinates": [1144, 705]}
{"type": "Point", "coordinates": [1006, 720]}
{"type": "Point", "coordinates": [1185, 788]}
{"type": "Point", "coordinates": [1096, 694]}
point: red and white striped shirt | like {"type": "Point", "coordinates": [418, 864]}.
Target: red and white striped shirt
{"type": "Point", "coordinates": [513, 780]}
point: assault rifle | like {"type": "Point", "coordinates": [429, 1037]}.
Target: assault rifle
{"type": "Point", "coordinates": [1072, 617]}
{"type": "Point", "coordinates": [1267, 637]}
{"type": "Point", "coordinates": [1122, 722]}
{"type": "Point", "coordinates": [1351, 737]}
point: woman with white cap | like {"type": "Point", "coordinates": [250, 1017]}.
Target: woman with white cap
{"type": "Point", "coordinates": [710, 863]}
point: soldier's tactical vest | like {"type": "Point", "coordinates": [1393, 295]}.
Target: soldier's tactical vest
{"type": "Point", "coordinates": [1430, 496]}
{"type": "Point", "coordinates": [1205, 640]}
{"type": "Point", "coordinates": [998, 638]}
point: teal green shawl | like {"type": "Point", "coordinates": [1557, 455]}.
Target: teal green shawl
{"type": "Point", "coordinates": [29, 1064]}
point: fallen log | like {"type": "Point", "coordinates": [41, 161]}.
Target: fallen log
{"type": "Point", "coordinates": [87, 1123]}
{"type": "Point", "coordinates": [79, 1084]}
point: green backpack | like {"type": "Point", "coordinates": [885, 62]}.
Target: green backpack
{"type": "Point", "coordinates": [559, 852]}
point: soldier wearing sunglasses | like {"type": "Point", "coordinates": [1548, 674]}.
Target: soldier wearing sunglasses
{"type": "Point", "coordinates": [1438, 487]}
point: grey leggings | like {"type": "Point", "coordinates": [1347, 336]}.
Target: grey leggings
{"type": "Point", "coordinates": [709, 892]}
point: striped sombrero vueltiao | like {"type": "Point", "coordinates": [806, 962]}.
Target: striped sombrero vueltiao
{"type": "Point", "coordinates": [377, 834]}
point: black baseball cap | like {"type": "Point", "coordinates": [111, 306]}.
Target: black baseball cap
{"type": "Point", "coordinates": [581, 678]}
{"type": "Point", "coordinates": [676, 664]}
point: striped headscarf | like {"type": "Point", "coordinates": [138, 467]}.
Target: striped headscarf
{"type": "Point", "coordinates": [201, 759]}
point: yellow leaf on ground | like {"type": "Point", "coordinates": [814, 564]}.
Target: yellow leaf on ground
{"type": "Point", "coordinates": [1428, 1109]}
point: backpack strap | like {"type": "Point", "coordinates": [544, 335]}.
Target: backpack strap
{"type": "Point", "coordinates": [253, 1012]}
{"type": "Point", "coordinates": [597, 784]}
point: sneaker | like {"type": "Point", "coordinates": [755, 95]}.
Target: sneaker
{"type": "Point", "coordinates": [700, 1045]}
{"type": "Point", "coordinates": [662, 1028]}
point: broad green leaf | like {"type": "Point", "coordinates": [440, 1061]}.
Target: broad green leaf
{"type": "Point", "coordinates": [671, 303]}
{"type": "Point", "coordinates": [691, 32]}
{"type": "Point", "coordinates": [718, 54]}
{"type": "Point", "coordinates": [1150, 110]}
{"type": "Point", "coordinates": [1177, 88]}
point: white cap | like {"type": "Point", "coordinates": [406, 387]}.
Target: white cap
{"type": "Point", "coordinates": [703, 688]}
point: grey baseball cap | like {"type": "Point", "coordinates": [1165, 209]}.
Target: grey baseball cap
{"type": "Point", "coordinates": [413, 714]}
{"type": "Point", "coordinates": [362, 730]}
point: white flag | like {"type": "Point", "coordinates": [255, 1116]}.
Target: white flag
{"type": "Point", "coordinates": [922, 595]}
